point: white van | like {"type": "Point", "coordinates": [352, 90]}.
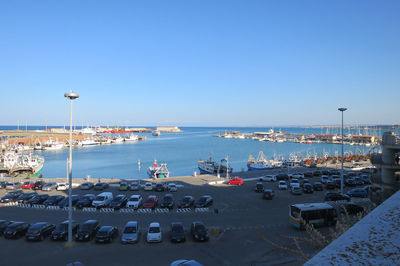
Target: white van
{"type": "Point", "coordinates": [103, 199]}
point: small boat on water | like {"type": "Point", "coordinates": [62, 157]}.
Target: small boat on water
{"type": "Point", "coordinates": [158, 170]}
{"type": "Point", "coordinates": [87, 142]}
{"type": "Point", "coordinates": [211, 167]}
{"type": "Point", "coordinates": [118, 140]}
{"type": "Point", "coordinates": [156, 133]}
{"type": "Point", "coordinates": [132, 137]}
{"type": "Point", "coordinates": [262, 163]}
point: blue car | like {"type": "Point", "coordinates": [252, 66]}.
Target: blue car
{"type": "Point", "coordinates": [358, 192]}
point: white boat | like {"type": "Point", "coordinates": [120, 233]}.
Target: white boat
{"type": "Point", "coordinates": [118, 140]}
{"type": "Point", "coordinates": [156, 133]}
{"type": "Point", "coordinates": [14, 163]}
{"type": "Point", "coordinates": [52, 145]}
{"type": "Point", "coordinates": [262, 163]}
{"type": "Point", "coordinates": [87, 142]}
{"type": "Point", "coordinates": [132, 137]}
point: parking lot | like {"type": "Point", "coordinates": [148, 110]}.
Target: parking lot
{"type": "Point", "coordinates": [235, 220]}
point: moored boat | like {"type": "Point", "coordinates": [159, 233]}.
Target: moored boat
{"type": "Point", "coordinates": [158, 170]}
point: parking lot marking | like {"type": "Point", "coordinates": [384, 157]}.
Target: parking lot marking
{"type": "Point", "coordinates": [107, 209]}
{"type": "Point", "coordinates": [88, 209]}
{"type": "Point", "coordinates": [159, 210]}
{"type": "Point", "coordinates": [53, 208]}
{"type": "Point", "coordinates": [184, 210]}
{"type": "Point", "coordinates": [201, 209]}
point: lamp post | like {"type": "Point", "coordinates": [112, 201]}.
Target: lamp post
{"type": "Point", "coordinates": [71, 96]}
{"type": "Point", "coordinates": [342, 109]}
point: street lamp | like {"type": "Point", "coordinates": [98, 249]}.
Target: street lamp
{"type": "Point", "coordinates": [71, 96]}
{"type": "Point", "coordinates": [342, 109]}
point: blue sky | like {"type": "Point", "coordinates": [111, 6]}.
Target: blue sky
{"type": "Point", "coordinates": [200, 63]}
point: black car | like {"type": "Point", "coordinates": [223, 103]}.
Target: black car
{"type": "Point", "coordinates": [199, 231]}
{"type": "Point", "coordinates": [325, 172]}
{"type": "Point", "coordinates": [308, 188]}
{"type": "Point", "coordinates": [268, 194]}
{"type": "Point", "coordinates": [3, 184]}
{"type": "Point", "coordinates": [186, 202]}
{"type": "Point", "coordinates": [349, 182]}
{"type": "Point", "coordinates": [38, 185]}
{"type": "Point", "coordinates": [304, 181]}
{"type": "Point", "coordinates": [11, 196]}
{"type": "Point", "coordinates": [204, 201]}
{"type": "Point", "coordinates": [85, 201]}
{"type": "Point", "coordinates": [177, 233]}
{"type": "Point", "coordinates": [282, 177]}
{"type": "Point", "coordinates": [330, 184]}
{"type": "Point", "coordinates": [167, 201]}
{"type": "Point", "coordinates": [87, 231]}
{"type": "Point", "coordinates": [350, 208]}
{"type": "Point", "coordinates": [118, 201]}
{"type": "Point", "coordinates": [159, 187]}
{"type": "Point", "coordinates": [259, 187]}
{"type": "Point", "coordinates": [308, 174]}
{"type": "Point", "coordinates": [358, 180]}
{"type": "Point", "coordinates": [366, 179]}
{"type": "Point", "coordinates": [318, 186]}
{"type": "Point", "coordinates": [61, 231]}
{"type": "Point", "coordinates": [3, 225]}
{"type": "Point", "coordinates": [106, 234]}
{"type": "Point", "coordinates": [338, 182]}
{"type": "Point", "coordinates": [24, 197]}
{"type": "Point", "coordinates": [317, 173]}
{"type": "Point", "coordinates": [38, 199]}
{"type": "Point", "coordinates": [372, 189]}
{"type": "Point", "coordinates": [39, 231]}
{"type": "Point", "coordinates": [16, 229]}
{"type": "Point", "coordinates": [334, 196]}
{"type": "Point", "coordinates": [53, 200]}
{"type": "Point", "coordinates": [65, 202]}
{"type": "Point", "coordinates": [101, 186]}
{"type": "Point", "coordinates": [335, 172]}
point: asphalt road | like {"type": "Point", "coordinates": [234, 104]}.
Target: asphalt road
{"type": "Point", "coordinates": [243, 218]}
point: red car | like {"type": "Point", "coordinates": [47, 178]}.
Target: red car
{"type": "Point", "coordinates": [236, 181]}
{"type": "Point", "coordinates": [27, 185]}
{"type": "Point", "coordinates": [151, 202]}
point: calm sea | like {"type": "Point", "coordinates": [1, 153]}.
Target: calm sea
{"type": "Point", "coordinates": [180, 151]}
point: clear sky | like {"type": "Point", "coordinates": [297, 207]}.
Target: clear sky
{"type": "Point", "coordinates": [200, 63]}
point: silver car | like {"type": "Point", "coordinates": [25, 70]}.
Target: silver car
{"type": "Point", "coordinates": [131, 233]}
{"type": "Point", "coordinates": [49, 186]}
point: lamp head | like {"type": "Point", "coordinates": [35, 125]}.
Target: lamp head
{"type": "Point", "coordinates": [342, 109]}
{"type": "Point", "coordinates": [71, 95]}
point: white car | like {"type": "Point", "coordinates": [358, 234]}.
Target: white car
{"type": "Point", "coordinates": [294, 183]}
{"type": "Point", "coordinates": [299, 176]}
{"type": "Point", "coordinates": [172, 187]}
{"type": "Point", "coordinates": [148, 186]}
{"type": "Point", "coordinates": [282, 185]}
{"type": "Point", "coordinates": [269, 178]}
{"type": "Point", "coordinates": [134, 201]}
{"type": "Point", "coordinates": [62, 186]}
{"type": "Point", "coordinates": [154, 233]}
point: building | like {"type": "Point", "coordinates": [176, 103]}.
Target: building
{"type": "Point", "coordinates": [168, 129]}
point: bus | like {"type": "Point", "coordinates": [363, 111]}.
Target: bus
{"type": "Point", "coordinates": [317, 214]}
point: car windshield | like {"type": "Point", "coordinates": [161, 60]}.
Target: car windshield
{"type": "Point", "coordinates": [150, 200]}
{"type": "Point", "coordinates": [118, 198]}
{"type": "Point", "coordinates": [167, 198]}
{"type": "Point", "coordinates": [87, 227]}
{"type": "Point", "coordinates": [134, 199]}
{"type": "Point", "coordinates": [200, 228]}
{"type": "Point", "coordinates": [154, 230]}
{"type": "Point", "coordinates": [62, 227]}
{"type": "Point", "coordinates": [27, 183]}
{"type": "Point", "coordinates": [102, 233]}
{"type": "Point", "coordinates": [34, 230]}
{"type": "Point", "coordinates": [186, 199]}
{"type": "Point", "coordinates": [177, 229]}
{"type": "Point", "coordinates": [204, 199]}
{"type": "Point", "coordinates": [99, 198]}
{"type": "Point", "coordinates": [130, 230]}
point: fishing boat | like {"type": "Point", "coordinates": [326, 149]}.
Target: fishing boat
{"type": "Point", "coordinates": [211, 167]}
{"type": "Point", "coordinates": [52, 145]}
{"type": "Point", "coordinates": [156, 133]}
{"type": "Point", "coordinates": [118, 140]}
{"type": "Point", "coordinates": [132, 137]}
{"type": "Point", "coordinates": [262, 163]}
{"type": "Point", "coordinates": [88, 142]}
{"type": "Point", "coordinates": [158, 170]}
{"type": "Point", "coordinates": [14, 163]}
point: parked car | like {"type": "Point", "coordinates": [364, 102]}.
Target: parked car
{"type": "Point", "coordinates": [24, 197]}
{"type": "Point", "coordinates": [11, 196]}
{"type": "Point", "coordinates": [349, 182]}
{"type": "Point", "coordinates": [102, 200]}
{"type": "Point", "coordinates": [357, 192]}
{"type": "Point", "coordinates": [159, 187]}
{"type": "Point", "coordinates": [366, 179]}
{"type": "Point", "coordinates": [131, 233]}
{"type": "Point", "coordinates": [308, 188]}
{"type": "Point", "coordinates": [49, 186]}
{"type": "Point", "coordinates": [172, 187]}
{"type": "Point", "coordinates": [350, 208]}
{"type": "Point", "coordinates": [294, 183]}
{"type": "Point", "coordinates": [282, 185]}
{"type": "Point", "coordinates": [298, 176]}
{"type": "Point", "coordinates": [199, 231]}
{"type": "Point", "coordinates": [325, 172]}
{"type": "Point", "coordinates": [3, 225]}
{"type": "Point", "coordinates": [186, 202]}
{"type": "Point", "coordinates": [330, 184]}
{"type": "Point", "coordinates": [134, 201]}
{"type": "Point", "coordinates": [338, 182]}
{"type": "Point", "coordinates": [61, 231]}
{"type": "Point", "coordinates": [87, 231]}
{"type": "Point", "coordinates": [53, 200]}
{"type": "Point", "coordinates": [358, 181]}
{"type": "Point", "coordinates": [335, 172]}
{"type": "Point", "coordinates": [325, 179]}
{"type": "Point", "coordinates": [151, 202]}
{"type": "Point", "coordinates": [296, 191]}
{"type": "Point", "coordinates": [3, 184]}
{"type": "Point", "coordinates": [106, 234]}
{"type": "Point", "coordinates": [236, 181]}
{"type": "Point", "coordinates": [304, 181]}
{"type": "Point", "coordinates": [101, 186]}
{"type": "Point", "coordinates": [186, 263]}
{"type": "Point", "coordinates": [134, 186]}
{"type": "Point", "coordinates": [123, 186]}
{"type": "Point", "coordinates": [118, 202]}
{"type": "Point", "coordinates": [308, 174]}
{"type": "Point", "coordinates": [85, 201]}
{"type": "Point", "coordinates": [62, 186]}
{"type": "Point", "coordinates": [317, 173]}
{"type": "Point", "coordinates": [204, 201]}
{"type": "Point", "coordinates": [16, 230]}
{"type": "Point", "coordinates": [268, 194]}
{"type": "Point", "coordinates": [318, 186]}
{"type": "Point", "coordinates": [154, 233]}
{"type": "Point", "coordinates": [168, 201]}
{"type": "Point", "coordinates": [259, 187]}
{"type": "Point", "coordinates": [268, 178]}
{"type": "Point", "coordinates": [13, 185]}
{"type": "Point", "coordinates": [334, 196]}
{"type": "Point", "coordinates": [28, 185]}
{"type": "Point", "coordinates": [65, 202]}
{"type": "Point", "coordinates": [148, 186]}
{"type": "Point", "coordinates": [87, 186]}
{"type": "Point", "coordinates": [373, 188]}
{"type": "Point", "coordinates": [38, 185]}
{"type": "Point", "coordinates": [38, 199]}
{"type": "Point", "coordinates": [177, 232]}
{"type": "Point", "coordinates": [39, 231]}
{"type": "Point", "coordinates": [282, 177]}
